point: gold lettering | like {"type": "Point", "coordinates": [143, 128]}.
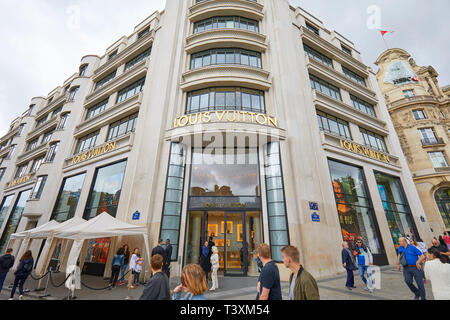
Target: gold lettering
{"type": "Point", "coordinates": [228, 116]}
{"type": "Point", "coordinates": [252, 115]}
{"type": "Point", "coordinates": [243, 115]}
{"type": "Point", "coordinates": [192, 121]}
{"type": "Point", "coordinates": [180, 121]}
{"type": "Point", "coordinates": [220, 116]}
{"type": "Point", "coordinates": [175, 123]}
{"type": "Point", "coordinates": [273, 121]}
{"type": "Point", "coordinates": [207, 117]}
{"type": "Point", "coordinates": [258, 116]}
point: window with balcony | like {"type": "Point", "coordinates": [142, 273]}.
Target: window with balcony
{"type": "Point", "coordinates": [113, 54]}
{"type": "Point", "coordinates": [97, 109]}
{"type": "Point", "coordinates": [38, 187]}
{"type": "Point", "coordinates": [36, 164]}
{"type": "Point", "coordinates": [408, 93]}
{"type": "Point", "coordinates": [363, 106]}
{"type": "Point", "coordinates": [122, 127]}
{"type": "Point", "coordinates": [428, 136]}
{"type": "Point", "coordinates": [316, 55]}
{"type": "Point", "coordinates": [56, 112]}
{"type": "Point", "coordinates": [41, 121]}
{"type": "Point", "coordinates": [312, 28]}
{"type": "Point", "coordinates": [226, 56]}
{"type": "Point", "coordinates": [73, 94]}
{"type": "Point", "coordinates": [438, 159]}
{"type": "Point", "coordinates": [325, 87]}
{"type": "Point", "coordinates": [83, 69]}
{"type": "Point", "coordinates": [419, 115]}
{"type": "Point", "coordinates": [51, 154]}
{"type": "Point", "coordinates": [21, 171]}
{"type": "Point", "coordinates": [141, 57]}
{"type": "Point", "coordinates": [226, 23]}
{"type": "Point", "coordinates": [63, 121]}
{"type": "Point", "coordinates": [333, 125]}
{"type": "Point", "coordinates": [346, 50]}
{"type": "Point", "coordinates": [373, 140]}
{"type": "Point", "coordinates": [225, 98]}
{"type": "Point", "coordinates": [143, 32]}
{"type": "Point", "coordinates": [11, 152]}
{"type": "Point", "coordinates": [105, 80]}
{"type": "Point", "coordinates": [20, 131]}
{"type": "Point", "coordinates": [32, 144]}
{"type": "Point", "coordinates": [47, 136]}
{"type": "Point", "coordinates": [87, 142]}
{"type": "Point", "coordinates": [353, 76]}
{"type": "Point", "coordinates": [131, 90]}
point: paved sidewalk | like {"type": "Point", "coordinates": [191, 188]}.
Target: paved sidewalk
{"type": "Point", "coordinates": [235, 288]}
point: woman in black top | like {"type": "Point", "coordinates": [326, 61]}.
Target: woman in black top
{"type": "Point", "coordinates": [126, 261]}
{"type": "Point", "coordinates": [22, 273]}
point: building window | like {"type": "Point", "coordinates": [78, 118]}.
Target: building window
{"type": "Point", "coordinates": [56, 112]}
{"type": "Point", "coordinates": [355, 77]}
{"type": "Point", "coordinates": [87, 142]}
{"type": "Point", "coordinates": [68, 197]}
{"type": "Point", "coordinates": [11, 152]}
{"type": "Point", "coordinates": [4, 208]}
{"type": "Point", "coordinates": [226, 22]}
{"type": "Point", "coordinates": [312, 28]}
{"type": "Point", "coordinates": [38, 187]}
{"type": "Point", "coordinates": [408, 93]}
{"type": "Point", "coordinates": [63, 121]}
{"type": "Point", "coordinates": [73, 94]}
{"type": "Point", "coordinates": [222, 98]}
{"type": "Point", "coordinates": [396, 207]}
{"type": "Point", "coordinates": [51, 154]}
{"type": "Point", "coordinates": [21, 171]}
{"type": "Point", "coordinates": [363, 106]}
{"type": "Point", "coordinates": [171, 215]}
{"type": "Point", "coordinates": [41, 121]}
{"type": "Point", "coordinates": [226, 56]}
{"type": "Point", "coordinates": [2, 173]}
{"type": "Point", "coordinates": [144, 55]}
{"type": "Point", "coordinates": [143, 32]}
{"type": "Point", "coordinates": [32, 145]}
{"type": "Point", "coordinates": [105, 80]}
{"type": "Point", "coordinates": [30, 110]}
{"type": "Point", "coordinates": [21, 127]}
{"type": "Point", "coordinates": [36, 164]}
{"type": "Point", "coordinates": [316, 55]}
{"type": "Point", "coordinates": [47, 136]}
{"type": "Point", "coordinates": [442, 114]}
{"type": "Point", "coordinates": [113, 54]}
{"type": "Point", "coordinates": [105, 193]}
{"type": "Point", "coordinates": [122, 127]}
{"type": "Point", "coordinates": [438, 159]}
{"type": "Point", "coordinates": [333, 125]}
{"type": "Point", "coordinates": [373, 140]}
{"type": "Point", "coordinates": [419, 115]}
{"type": "Point", "coordinates": [442, 197]}
{"type": "Point", "coordinates": [131, 90]}
{"type": "Point", "coordinates": [50, 100]}
{"type": "Point", "coordinates": [428, 136]}
{"type": "Point", "coordinates": [355, 211]}
{"type": "Point", "coordinates": [14, 218]}
{"type": "Point", "coordinates": [346, 50]}
{"type": "Point", "coordinates": [97, 109]}
{"type": "Point", "coordinates": [325, 87]}
{"type": "Point", "coordinates": [83, 69]}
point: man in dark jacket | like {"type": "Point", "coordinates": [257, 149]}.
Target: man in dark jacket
{"type": "Point", "coordinates": [303, 285]}
{"type": "Point", "coordinates": [157, 288]}
{"type": "Point", "coordinates": [349, 265]}
{"type": "Point", "coordinates": [159, 249]}
{"type": "Point", "coordinates": [6, 263]}
{"type": "Point", "coordinates": [167, 258]}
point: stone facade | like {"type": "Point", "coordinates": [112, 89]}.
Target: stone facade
{"type": "Point", "coordinates": [414, 105]}
{"type": "Point", "coordinates": [301, 73]}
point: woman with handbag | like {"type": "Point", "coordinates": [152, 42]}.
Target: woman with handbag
{"type": "Point", "coordinates": [349, 265]}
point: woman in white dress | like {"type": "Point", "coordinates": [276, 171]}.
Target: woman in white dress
{"type": "Point", "coordinates": [438, 271]}
{"type": "Point", "coordinates": [215, 267]}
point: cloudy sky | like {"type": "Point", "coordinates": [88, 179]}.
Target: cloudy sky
{"type": "Point", "coordinates": [44, 40]}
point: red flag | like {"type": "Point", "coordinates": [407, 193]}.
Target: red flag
{"type": "Point", "coordinates": [383, 32]}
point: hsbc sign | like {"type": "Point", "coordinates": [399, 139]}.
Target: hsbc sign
{"type": "Point", "coordinates": [398, 73]}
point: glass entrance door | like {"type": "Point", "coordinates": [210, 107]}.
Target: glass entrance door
{"type": "Point", "coordinates": [236, 248]}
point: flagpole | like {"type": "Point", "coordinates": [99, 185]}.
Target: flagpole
{"type": "Point", "coordinates": [385, 42]}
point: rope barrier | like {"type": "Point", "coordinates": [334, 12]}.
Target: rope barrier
{"type": "Point", "coordinates": [95, 289]}
{"type": "Point", "coordinates": [57, 286]}
{"type": "Point", "coordinates": [37, 279]}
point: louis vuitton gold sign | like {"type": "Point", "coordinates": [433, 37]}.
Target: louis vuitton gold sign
{"type": "Point", "coordinates": [356, 148]}
{"type": "Point", "coordinates": [225, 116]}
{"type": "Point", "coordinates": [19, 181]}
{"type": "Point", "coordinates": [95, 152]}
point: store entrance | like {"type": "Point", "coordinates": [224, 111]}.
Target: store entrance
{"type": "Point", "coordinates": [236, 234]}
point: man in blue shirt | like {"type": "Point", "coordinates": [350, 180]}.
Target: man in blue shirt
{"type": "Point", "coordinates": [414, 258]}
{"type": "Point", "coordinates": [269, 285]}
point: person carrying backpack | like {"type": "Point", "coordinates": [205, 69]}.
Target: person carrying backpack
{"type": "Point", "coordinates": [23, 271]}
{"type": "Point", "coordinates": [6, 262]}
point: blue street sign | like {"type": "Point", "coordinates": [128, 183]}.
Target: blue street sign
{"type": "Point", "coordinates": [313, 206]}
{"type": "Point", "coordinates": [136, 215]}
{"type": "Point", "coordinates": [315, 217]}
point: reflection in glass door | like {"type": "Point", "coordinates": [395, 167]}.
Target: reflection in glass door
{"type": "Point", "coordinates": [236, 248]}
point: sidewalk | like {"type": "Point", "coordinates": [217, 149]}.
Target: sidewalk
{"type": "Point", "coordinates": [233, 288]}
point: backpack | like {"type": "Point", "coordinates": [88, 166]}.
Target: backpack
{"type": "Point", "coordinates": [27, 267]}
{"type": "Point", "coordinates": [402, 259]}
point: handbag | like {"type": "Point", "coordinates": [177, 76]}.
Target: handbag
{"type": "Point", "coordinates": [402, 259]}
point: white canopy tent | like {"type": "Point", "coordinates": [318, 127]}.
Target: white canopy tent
{"type": "Point", "coordinates": [26, 237]}
{"type": "Point", "coordinates": [102, 226]}
{"type": "Point", "coordinates": [48, 234]}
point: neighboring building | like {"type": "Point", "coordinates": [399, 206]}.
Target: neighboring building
{"type": "Point", "coordinates": [247, 121]}
{"type": "Point", "coordinates": [419, 109]}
